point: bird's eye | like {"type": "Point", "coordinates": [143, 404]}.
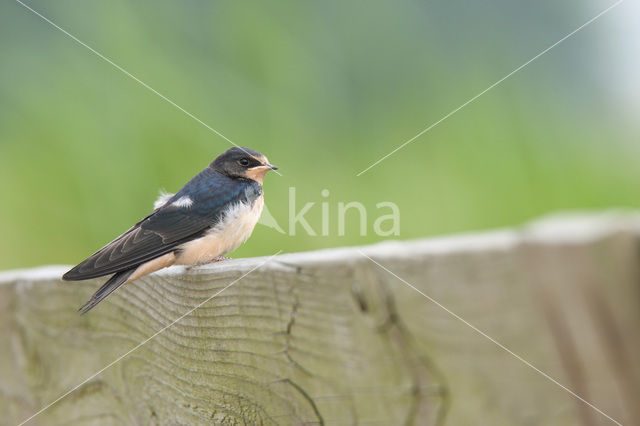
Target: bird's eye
{"type": "Point", "coordinates": [244, 162]}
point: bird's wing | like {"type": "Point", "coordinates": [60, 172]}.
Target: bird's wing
{"type": "Point", "coordinates": [168, 226]}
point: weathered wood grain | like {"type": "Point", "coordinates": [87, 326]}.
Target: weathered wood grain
{"type": "Point", "coordinates": [329, 337]}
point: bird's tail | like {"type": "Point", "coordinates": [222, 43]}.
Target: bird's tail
{"type": "Point", "coordinates": [107, 288]}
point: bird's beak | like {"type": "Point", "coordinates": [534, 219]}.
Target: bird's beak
{"type": "Point", "coordinates": [257, 173]}
{"type": "Point", "coordinates": [265, 167]}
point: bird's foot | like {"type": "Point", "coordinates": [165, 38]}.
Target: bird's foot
{"type": "Point", "coordinates": [209, 262]}
{"type": "Point", "coordinates": [220, 258]}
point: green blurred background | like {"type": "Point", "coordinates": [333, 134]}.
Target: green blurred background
{"type": "Point", "coordinates": [323, 89]}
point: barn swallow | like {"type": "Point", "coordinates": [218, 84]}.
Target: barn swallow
{"type": "Point", "coordinates": [208, 217]}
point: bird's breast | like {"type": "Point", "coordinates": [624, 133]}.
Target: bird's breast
{"type": "Point", "coordinates": [234, 228]}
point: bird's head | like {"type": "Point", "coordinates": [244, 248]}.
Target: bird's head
{"type": "Point", "coordinates": [245, 163]}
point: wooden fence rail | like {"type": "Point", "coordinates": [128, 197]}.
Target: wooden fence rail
{"type": "Point", "coordinates": [330, 337]}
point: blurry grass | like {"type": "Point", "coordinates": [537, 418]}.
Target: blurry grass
{"type": "Point", "coordinates": [323, 90]}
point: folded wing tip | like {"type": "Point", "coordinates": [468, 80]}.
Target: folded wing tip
{"type": "Point", "coordinates": [74, 274]}
{"type": "Point", "coordinates": [69, 275]}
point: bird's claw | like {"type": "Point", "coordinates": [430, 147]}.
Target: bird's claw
{"type": "Point", "coordinates": [220, 258]}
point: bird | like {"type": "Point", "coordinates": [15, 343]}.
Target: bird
{"type": "Point", "coordinates": [210, 216]}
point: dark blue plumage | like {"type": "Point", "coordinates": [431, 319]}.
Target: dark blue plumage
{"type": "Point", "coordinates": [211, 191]}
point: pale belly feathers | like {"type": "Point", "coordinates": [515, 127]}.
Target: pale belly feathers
{"type": "Point", "coordinates": [233, 230]}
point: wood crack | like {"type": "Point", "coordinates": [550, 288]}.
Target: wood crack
{"type": "Point", "coordinates": [421, 367]}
